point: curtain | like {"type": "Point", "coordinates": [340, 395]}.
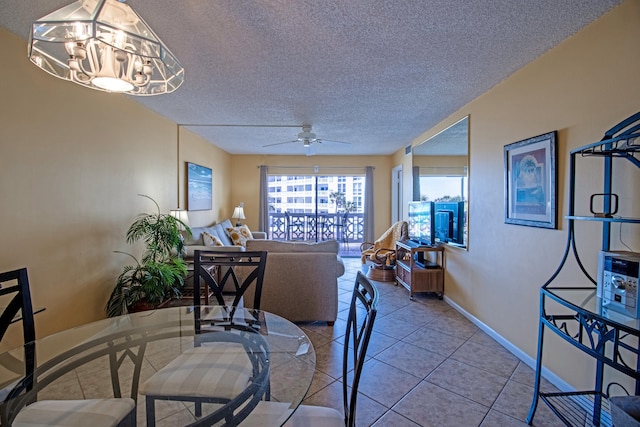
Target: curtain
{"type": "Point", "coordinates": [416, 183]}
{"type": "Point", "coordinates": [263, 206]}
{"type": "Point", "coordinates": [368, 205]}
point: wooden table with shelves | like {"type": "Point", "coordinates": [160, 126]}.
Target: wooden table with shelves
{"type": "Point", "coordinates": [420, 268]}
{"type": "Point", "coordinates": [188, 289]}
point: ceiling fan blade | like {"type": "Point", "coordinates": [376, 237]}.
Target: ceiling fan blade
{"type": "Point", "coordinates": [280, 143]}
{"type": "Point", "coordinates": [330, 141]}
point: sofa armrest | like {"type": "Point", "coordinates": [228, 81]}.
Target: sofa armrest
{"type": "Point", "coordinates": [340, 267]}
{"type": "Point", "coordinates": [259, 235]}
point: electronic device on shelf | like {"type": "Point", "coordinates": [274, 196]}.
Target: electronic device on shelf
{"type": "Point", "coordinates": [618, 275]}
{"type": "Point", "coordinates": [601, 265]}
{"type": "Point", "coordinates": [449, 222]}
{"type": "Point", "coordinates": [421, 261]}
{"type": "Point", "coordinates": [606, 199]}
{"type": "Point", "coordinates": [422, 223]}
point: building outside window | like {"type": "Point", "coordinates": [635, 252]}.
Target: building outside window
{"type": "Point", "coordinates": [334, 193]}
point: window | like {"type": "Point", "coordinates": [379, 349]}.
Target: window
{"type": "Point", "coordinates": [443, 188]}
{"type": "Point", "coordinates": [327, 194]}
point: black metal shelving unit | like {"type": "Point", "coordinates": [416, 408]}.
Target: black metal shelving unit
{"type": "Point", "coordinates": [576, 313]}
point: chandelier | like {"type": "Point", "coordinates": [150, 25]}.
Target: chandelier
{"type": "Point", "coordinates": [104, 45]}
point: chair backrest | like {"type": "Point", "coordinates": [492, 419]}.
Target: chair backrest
{"type": "Point", "coordinates": [222, 268]}
{"type": "Point", "coordinates": [362, 315]}
{"type": "Point", "coordinates": [17, 282]}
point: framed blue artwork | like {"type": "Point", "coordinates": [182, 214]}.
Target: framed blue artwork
{"type": "Point", "coordinates": [199, 187]}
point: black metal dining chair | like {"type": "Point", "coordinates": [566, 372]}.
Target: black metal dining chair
{"type": "Point", "coordinates": [19, 407]}
{"type": "Point", "coordinates": [237, 274]}
{"type": "Point", "coordinates": [19, 308]}
{"type": "Point", "coordinates": [215, 372]}
{"type": "Point", "coordinates": [362, 315]}
{"type": "Point", "coordinates": [20, 303]}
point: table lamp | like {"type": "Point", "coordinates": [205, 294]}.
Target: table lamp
{"type": "Point", "coordinates": [238, 214]}
{"type": "Point", "coordinates": [181, 215]}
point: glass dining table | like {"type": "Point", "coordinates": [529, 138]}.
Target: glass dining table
{"type": "Point", "coordinates": [113, 357]}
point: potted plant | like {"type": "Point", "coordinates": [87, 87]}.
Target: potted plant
{"type": "Point", "coordinates": [159, 274]}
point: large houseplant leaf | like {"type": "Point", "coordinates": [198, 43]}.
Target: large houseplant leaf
{"type": "Point", "coordinates": [160, 272]}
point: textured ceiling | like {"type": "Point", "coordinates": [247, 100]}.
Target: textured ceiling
{"type": "Point", "coordinates": [453, 141]}
{"type": "Point", "coordinates": [373, 73]}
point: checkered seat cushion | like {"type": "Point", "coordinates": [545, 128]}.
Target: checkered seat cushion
{"type": "Point", "coordinates": [80, 413]}
{"type": "Point", "coordinates": [221, 371]}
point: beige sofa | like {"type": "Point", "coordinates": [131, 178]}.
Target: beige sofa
{"type": "Point", "coordinates": [301, 279]}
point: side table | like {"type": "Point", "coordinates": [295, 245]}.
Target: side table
{"type": "Point", "coordinates": [416, 272]}
{"type": "Point", "coordinates": [205, 292]}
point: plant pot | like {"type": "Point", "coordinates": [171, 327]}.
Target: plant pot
{"type": "Point", "coordinates": [145, 306]}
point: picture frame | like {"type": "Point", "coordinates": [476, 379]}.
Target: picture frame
{"type": "Point", "coordinates": [199, 187]}
{"type": "Point", "coordinates": [530, 180]}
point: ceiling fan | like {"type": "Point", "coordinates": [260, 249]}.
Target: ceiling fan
{"type": "Point", "coordinates": [308, 140]}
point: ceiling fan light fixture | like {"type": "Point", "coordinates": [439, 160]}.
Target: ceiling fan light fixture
{"type": "Point", "coordinates": [308, 139]}
{"type": "Point", "coordinates": [104, 45]}
{"type": "Point", "coordinates": [306, 135]}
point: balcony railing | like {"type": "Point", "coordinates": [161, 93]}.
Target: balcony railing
{"type": "Point", "coordinates": [312, 227]}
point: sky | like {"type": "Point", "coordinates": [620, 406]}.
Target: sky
{"type": "Point", "coordinates": [436, 187]}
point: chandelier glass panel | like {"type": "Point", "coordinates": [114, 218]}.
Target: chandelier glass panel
{"type": "Point", "coordinates": [104, 45]}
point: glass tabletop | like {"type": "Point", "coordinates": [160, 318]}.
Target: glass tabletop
{"type": "Point", "coordinates": [111, 357]}
{"type": "Point", "coordinates": [587, 299]}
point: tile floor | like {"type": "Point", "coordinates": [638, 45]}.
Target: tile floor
{"type": "Point", "coordinates": [428, 366]}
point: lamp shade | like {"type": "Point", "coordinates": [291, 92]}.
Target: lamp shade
{"type": "Point", "coordinates": [104, 45]}
{"type": "Point", "coordinates": [238, 212]}
{"type": "Point", "coordinates": [181, 215]}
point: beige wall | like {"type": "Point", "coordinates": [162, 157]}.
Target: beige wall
{"type": "Point", "coordinates": [581, 88]}
{"type": "Point", "coordinates": [71, 165]}
{"type": "Point", "coordinates": [196, 150]}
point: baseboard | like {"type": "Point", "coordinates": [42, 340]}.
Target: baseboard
{"type": "Point", "coordinates": [528, 360]}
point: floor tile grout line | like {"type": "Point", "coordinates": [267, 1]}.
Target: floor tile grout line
{"type": "Point", "coordinates": [466, 340]}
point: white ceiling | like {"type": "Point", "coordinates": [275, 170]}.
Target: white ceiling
{"type": "Point", "coordinates": [375, 73]}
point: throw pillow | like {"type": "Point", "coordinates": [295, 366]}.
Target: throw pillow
{"type": "Point", "coordinates": [239, 235]}
{"type": "Point", "coordinates": [210, 240]}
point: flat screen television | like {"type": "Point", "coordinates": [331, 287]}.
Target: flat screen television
{"type": "Point", "coordinates": [422, 222]}
{"type": "Point", "coordinates": [449, 222]}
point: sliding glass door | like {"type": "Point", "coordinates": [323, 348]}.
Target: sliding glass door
{"type": "Point", "coordinates": [316, 208]}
